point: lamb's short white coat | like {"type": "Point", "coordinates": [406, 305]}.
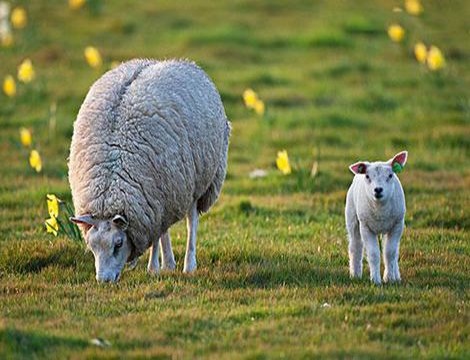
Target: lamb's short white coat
{"type": "Point", "coordinates": [375, 204]}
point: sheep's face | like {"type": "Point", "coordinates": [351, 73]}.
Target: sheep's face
{"type": "Point", "coordinates": [109, 244]}
{"type": "Point", "coordinates": [379, 177]}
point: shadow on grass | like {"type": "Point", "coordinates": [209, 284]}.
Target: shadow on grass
{"type": "Point", "coordinates": [16, 344]}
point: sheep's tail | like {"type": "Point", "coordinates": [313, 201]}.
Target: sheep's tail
{"type": "Point", "coordinates": [212, 193]}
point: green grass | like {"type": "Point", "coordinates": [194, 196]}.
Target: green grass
{"type": "Point", "coordinates": [273, 251]}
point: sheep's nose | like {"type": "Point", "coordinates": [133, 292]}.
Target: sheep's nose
{"type": "Point", "coordinates": [378, 190]}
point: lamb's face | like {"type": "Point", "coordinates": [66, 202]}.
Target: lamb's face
{"type": "Point", "coordinates": [109, 244]}
{"type": "Point", "coordinates": [379, 180]}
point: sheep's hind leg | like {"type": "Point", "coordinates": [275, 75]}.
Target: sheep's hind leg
{"type": "Point", "coordinates": [153, 266]}
{"type": "Point", "coordinates": [192, 224]}
{"type": "Point", "coordinates": [168, 259]}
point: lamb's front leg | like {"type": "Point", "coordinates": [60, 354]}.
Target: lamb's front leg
{"type": "Point", "coordinates": [153, 266]}
{"type": "Point", "coordinates": [192, 223]}
{"type": "Point", "coordinates": [391, 249]}
{"type": "Point", "coordinates": [373, 253]}
{"type": "Point", "coordinates": [168, 259]}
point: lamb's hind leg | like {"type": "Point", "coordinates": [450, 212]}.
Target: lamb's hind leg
{"type": "Point", "coordinates": [390, 251]}
{"type": "Point", "coordinates": [153, 266]}
{"type": "Point", "coordinates": [192, 224]}
{"type": "Point", "coordinates": [355, 248]}
{"type": "Point", "coordinates": [168, 259]}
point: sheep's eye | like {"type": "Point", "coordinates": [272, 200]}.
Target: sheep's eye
{"type": "Point", "coordinates": [367, 177]}
{"type": "Point", "coordinates": [390, 176]}
{"type": "Point", "coordinates": [118, 244]}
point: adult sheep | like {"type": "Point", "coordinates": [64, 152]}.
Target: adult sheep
{"type": "Point", "coordinates": [149, 148]}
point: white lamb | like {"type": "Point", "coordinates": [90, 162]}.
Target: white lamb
{"type": "Point", "coordinates": [375, 204]}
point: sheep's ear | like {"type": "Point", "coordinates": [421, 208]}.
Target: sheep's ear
{"type": "Point", "coordinates": [86, 220]}
{"type": "Point", "coordinates": [398, 161]}
{"type": "Point", "coordinates": [121, 222]}
{"type": "Point", "coordinates": [359, 167]}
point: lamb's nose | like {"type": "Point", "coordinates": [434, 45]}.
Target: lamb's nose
{"type": "Point", "coordinates": [378, 190]}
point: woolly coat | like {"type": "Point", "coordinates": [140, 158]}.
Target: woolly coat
{"type": "Point", "coordinates": [150, 139]}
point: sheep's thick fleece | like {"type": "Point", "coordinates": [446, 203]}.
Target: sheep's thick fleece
{"type": "Point", "coordinates": [150, 139]}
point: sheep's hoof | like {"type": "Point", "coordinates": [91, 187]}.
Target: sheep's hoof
{"type": "Point", "coordinates": [132, 265]}
{"type": "Point", "coordinates": [392, 279]}
{"type": "Point", "coordinates": [189, 269]}
{"type": "Point", "coordinates": [169, 267]}
{"type": "Point", "coordinates": [153, 271]}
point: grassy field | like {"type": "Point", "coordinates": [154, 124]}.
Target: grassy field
{"type": "Point", "coordinates": [273, 276]}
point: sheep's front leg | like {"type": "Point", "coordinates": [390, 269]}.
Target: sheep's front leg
{"type": "Point", "coordinates": [153, 266]}
{"type": "Point", "coordinates": [373, 253]}
{"type": "Point", "coordinates": [391, 248]}
{"type": "Point", "coordinates": [355, 248]}
{"type": "Point", "coordinates": [168, 259]}
{"type": "Point", "coordinates": [192, 223]}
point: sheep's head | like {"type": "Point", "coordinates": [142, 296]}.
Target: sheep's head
{"type": "Point", "coordinates": [380, 177]}
{"type": "Point", "coordinates": [108, 241]}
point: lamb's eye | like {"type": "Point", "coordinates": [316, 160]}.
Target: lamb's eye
{"type": "Point", "coordinates": [390, 176]}
{"type": "Point", "coordinates": [367, 177]}
{"type": "Point", "coordinates": [118, 244]}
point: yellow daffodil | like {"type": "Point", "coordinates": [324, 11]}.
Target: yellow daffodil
{"type": "Point", "coordinates": [26, 137]}
{"type": "Point", "coordinates": [76, 4]}
{"type": "Point", "coordinates": [6, 39]}
{"type": "Point", "coordinates": [259, 107]}
{"type": "Point", "coordinates": [52, 226]}
{"type": "Point", "coordinates": [421, 52]}
{"type": "Point", "coordinates": [93, 57]}
{"type": "Point", "coordinates": [26, 71]}
{"type": "Point", "coordinates": [435, 59]}
{"type": "Point", "coordinates": [413, 7]}
{"type": "Point", "coordinates": [9, 86]}
{"type": "Point", "coordinates": [282, 162]}
{"type": "Point", "coordinates": [250, 98]}
{"type": "Point", "coordinates": [35, 160]}
{"type": "Point", "coordinates": [396, 32]}
{"type": "Point", "coordinates": [53, 205]}
{"type": "Point", "coordinates": [19, 19]}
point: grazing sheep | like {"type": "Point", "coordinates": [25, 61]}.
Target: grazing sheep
{"type": "Point", "coordinates": [375, 204]}
{"type": "Point", "coordinates": [149, 148]}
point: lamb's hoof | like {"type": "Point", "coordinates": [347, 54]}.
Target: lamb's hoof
{"type": "Point", "coordinates": [392, 278]}
{"type": "Point", "coordinates": [376, 281]}
{"type": "Point", "coordinates": [355, 276]}
{"type": "Point", "coordinates": [132, 265]}
{"type": "Point", "coordinates": [189, 269]}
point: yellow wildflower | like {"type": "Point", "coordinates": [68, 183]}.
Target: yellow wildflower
{"type": "Point", "coordinates": [250, 98]}
{"type": "Point", "coordinates": [52, 225]}
{"type": "Point", "coordinates": [413, 7]}
{"type": "Point", "coordinates": [93, 57]}
{"type": "Point", "coordinates": [19, 18]}
{"type": "Point", "coordinates": [76, 4]}
{"type": "Point", "coordinates": [435, 59]}
{"type": "Point", "coordinates": [25, 136]}
{"type": "Point", "coordinates": [115, 64]}
{"type": "Point", "coordinates": [52, 205]}
{"type": "Point", "coordinates": [35, 160]}
{"type": "Point", "coordinates": [9, 86]}
{"type": "Point", "coordinates": [396, 32]}
{"type": "Point", "coordinates": [26, 71]}
{"type": "Point", "coordinates": [421, 52]}
{"type": "Point", "coordinates": [282, 162]}
{"type": "Point", "coordinates": [6, 39]}
{"type": "Point", "coordinates": [259, 107]}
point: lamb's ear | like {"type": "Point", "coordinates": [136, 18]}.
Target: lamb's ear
{"type": "Point", "coordinates": [398, 161]}
{"type": "Point", "coordinates": [359, 167]}
{"type": "Point", "coordinates": [86, 220]}
{"type": "Point", "coordinates": [121, 222]}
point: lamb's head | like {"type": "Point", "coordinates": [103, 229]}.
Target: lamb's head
{"type": "Point", "coordinates": [108, 241]}
{"type": "Point", "coordinates": [380, 177]}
